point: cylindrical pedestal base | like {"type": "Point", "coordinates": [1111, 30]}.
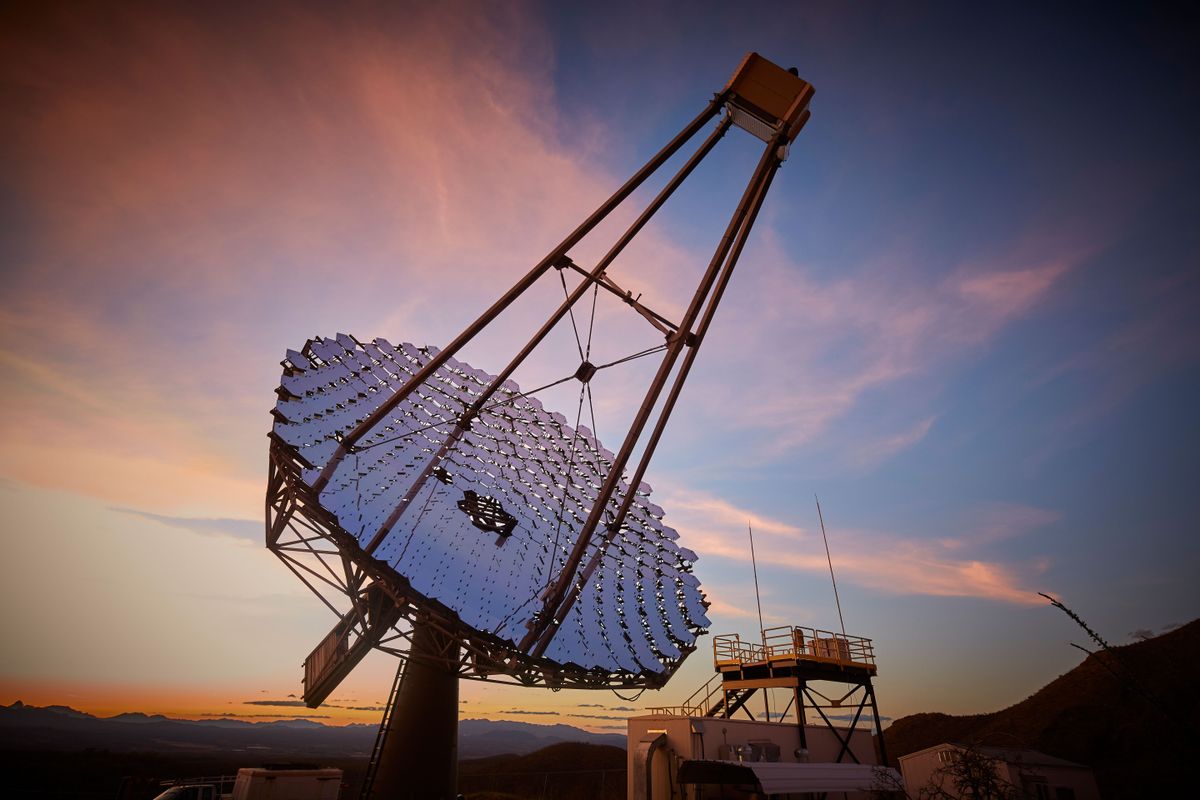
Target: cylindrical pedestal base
{"type": "Point", "coordinates": [419, 760]}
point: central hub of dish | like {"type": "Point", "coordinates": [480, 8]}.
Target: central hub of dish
{"type": "Point", "coordinates": [585, 372]}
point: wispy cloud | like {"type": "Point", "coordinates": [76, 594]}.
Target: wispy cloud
{"type": "Point", "coordinates": [163, 275]}
{"type": "Point", "coordinates": [118, 434]}
{"type": "Point", "coordinates": [879, 560]}
{"type": "Point", "coordinates": [811, 354]}
{"type": "Point", "coordinates": [289, 715]}
{"type": "Point", "coordinates": [849, 717]}
{"type": "Point", "coordinates": [302, 704]}
{"type": "Point", "coordinates": [594, 716]}
{"type": "Point", "coordinates": [999, 522]}
{"type": "Point", "coordinates": [739, 608]}
{"type": "Point", "coordinates": [872, 453]}
{"type": "Point", "coordinates": [1003, 294]}
{"type": "Point", "coordinates": [1163, 337]}
{"type": "Point", "coordinates": [263, 197]}
{"type": "Point", "coordinates": [243, 529]}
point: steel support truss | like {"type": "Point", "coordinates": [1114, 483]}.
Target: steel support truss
{"type": "Point", "coordinates": [860, 696]}
{"type": "Point", "coordinates": [376, 608]}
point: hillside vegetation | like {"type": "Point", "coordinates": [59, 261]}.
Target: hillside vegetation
{"type": "Point", "coordinates": [1132, 713]}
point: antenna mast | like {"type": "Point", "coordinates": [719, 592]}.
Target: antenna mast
{"type": "Point", "coordinates": [762, 631]}
{"type": "Point", "coordinates": [829, 558]}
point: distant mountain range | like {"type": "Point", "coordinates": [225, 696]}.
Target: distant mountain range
{"type": "Point", "coordinates": [63, 728]}
{"type": "Point", "coordinates": [1131, 713]}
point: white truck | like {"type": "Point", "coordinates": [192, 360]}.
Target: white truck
{"type": "Point", "coordinates": [254, 783]}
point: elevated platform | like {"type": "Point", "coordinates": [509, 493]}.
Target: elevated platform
{"type": "Point", "coordinates": [791, 658]}
{"type": "Point", "coordinates": [793, 653]}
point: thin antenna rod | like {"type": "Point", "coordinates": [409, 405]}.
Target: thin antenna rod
{"type": "Point", "coordinates": [754, 565]}
{"type": "Point", "coordinates": [829, 558]}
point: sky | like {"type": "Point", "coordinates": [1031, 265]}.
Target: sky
{"type": "Point", "coordinates": [968, 319]}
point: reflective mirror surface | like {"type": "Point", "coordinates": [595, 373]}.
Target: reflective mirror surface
{"type": "Point", "coordinates": [486, 526]}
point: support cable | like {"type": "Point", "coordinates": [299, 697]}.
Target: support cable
{"type": "Point", "coordinates": [511, 400]}
{"type": "Point", "coordinates": [571, 311]}
{"type": "Point", "coordinates": [592, 322]}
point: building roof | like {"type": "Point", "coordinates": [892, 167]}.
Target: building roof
{"type": "Point", "coordinates": [1010, 755]}
{"type": "Point", "coordinates": [783, 777]}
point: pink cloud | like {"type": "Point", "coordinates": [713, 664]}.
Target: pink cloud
{"type": "Point", "coordinates": [207, 191]}
{"type": "Point", "coordinates": [878, 560]}
{"type": "Point", "coordinates": [730, 611]}
{"type": "Point", "coordinates": [1000, 522]}
{"type": "Point", "coordinates": [877, 451]}
{"type": "Point", "coordinates": [1010, 292]}
{"type": "Point", "coordinates": [198, 204]}
{"type": "Point", "coordinates": [190, 222]}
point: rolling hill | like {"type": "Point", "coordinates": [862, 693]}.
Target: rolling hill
{"type": "Point", "coordinates": [1132, 713]}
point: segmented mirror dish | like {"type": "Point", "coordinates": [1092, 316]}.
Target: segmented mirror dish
{"type": "Point", "coordinates": [485, 530]}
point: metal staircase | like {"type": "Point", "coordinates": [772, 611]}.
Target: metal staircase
{"type": "Point", "coordinates": [381, 736]}
{"type": "Point", "coordinates": [736, 699]}
{"type": "Point", "coordinates": [700, 704]}
{"type": "Point", "coordinates": [709, 701]}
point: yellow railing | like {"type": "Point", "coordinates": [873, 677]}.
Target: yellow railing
{"type": "Point", "coordinates": [698, 705]}
{"type": "Point", "coordinates": [794, 641]}
{"type": "Point", "coordinates": [781, 643]}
